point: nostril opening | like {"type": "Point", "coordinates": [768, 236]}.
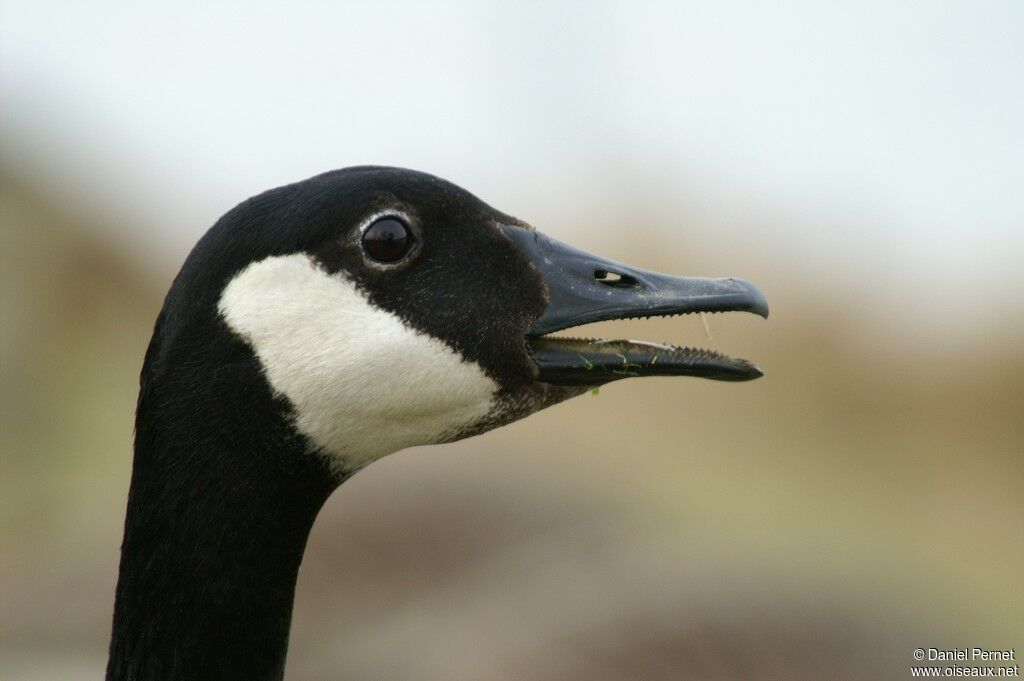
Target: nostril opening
{"type": "Point", "coordinates": [615, 279]}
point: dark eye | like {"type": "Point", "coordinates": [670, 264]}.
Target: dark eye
{"type": "Point", "coordinates": [387, 240]}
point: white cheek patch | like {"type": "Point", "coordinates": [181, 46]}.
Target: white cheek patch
{"type": "Point", "coordinates": [363, 384]}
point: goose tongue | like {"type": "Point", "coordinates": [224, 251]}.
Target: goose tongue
{"type": "Point", "coordinates": [574, 361]}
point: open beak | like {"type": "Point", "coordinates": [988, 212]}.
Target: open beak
{"type": "Point", "coordinates": [584, 288]}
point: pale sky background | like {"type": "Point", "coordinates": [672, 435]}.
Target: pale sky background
{"type": "Point", "coordinates": [879, 147]}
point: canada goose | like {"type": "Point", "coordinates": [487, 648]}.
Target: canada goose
{"type": "Point", "coordinates": [320, 326]}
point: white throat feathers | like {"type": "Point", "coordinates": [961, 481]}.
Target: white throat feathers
{"type": "Point", "coordinates": [361, 381]}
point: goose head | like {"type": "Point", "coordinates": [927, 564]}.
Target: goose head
{"type": "Point", "coordinates": [388, 308]}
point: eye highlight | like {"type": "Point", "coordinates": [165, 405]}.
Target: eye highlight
{"type": "Point", "coordinates": [387, 240]}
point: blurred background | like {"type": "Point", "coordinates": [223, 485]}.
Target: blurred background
{"type": "Point", "coordinates": [862, 162]}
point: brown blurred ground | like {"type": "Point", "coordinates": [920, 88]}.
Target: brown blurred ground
{"type": "Point", "coordinates": [861, 500]}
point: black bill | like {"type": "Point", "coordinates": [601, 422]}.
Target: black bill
{"type": "Point", "coordinates": [585, 288]}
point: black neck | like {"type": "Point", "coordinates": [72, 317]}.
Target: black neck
{"type": "Point", "coordinates": [222, 500]}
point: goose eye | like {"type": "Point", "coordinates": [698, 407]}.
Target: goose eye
{"type": "Point", "coordinates": [387, 240]}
